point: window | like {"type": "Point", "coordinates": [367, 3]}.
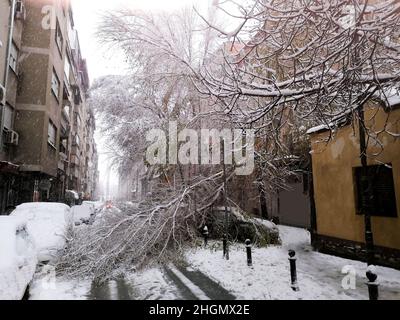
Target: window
{"type": "Point", "coordinates": [14, 57]}
{"type": "Point", "coordinates": [67, 68]}
{"type": "Point", "coordinates": [383, 198]}
{"type": "Point", "coordinates": [8, 117]}
{"type": "Point", "coordinates": [55, 84]}
{"type": "Point", "coordinates": [52, 134]}
{"type": "Point", "coordinates": [59, 37]}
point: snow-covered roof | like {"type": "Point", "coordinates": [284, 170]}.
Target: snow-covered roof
{"type": "Point", "coordinates": [338, 121]}
{"type": "Point", "coordinates": [390, 97]}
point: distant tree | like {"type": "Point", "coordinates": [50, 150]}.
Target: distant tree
{"type": "Point", "coordinates": [316, 60]}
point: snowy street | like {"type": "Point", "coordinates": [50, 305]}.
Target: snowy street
{"type": "Point", "coordinates": [169, 283]}
{"type": "Point", "coordinates": [201, 273]}
{"type": "Point", "coordinates": [208, 276]}
{"type": "Point", "coordinates": [205, 150]}
{"type": "Point", "coordinates": [319, 275]}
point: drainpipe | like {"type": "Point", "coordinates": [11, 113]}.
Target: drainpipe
{"type": "Point", "coordinates": [9, 44]}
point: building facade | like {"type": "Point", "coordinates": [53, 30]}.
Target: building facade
{"type": "Point", "coordinates": [47, 145]}
{"type": "Point", "coordinates": [338, 176]}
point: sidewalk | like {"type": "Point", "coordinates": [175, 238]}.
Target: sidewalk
{"type": "Point", "coordinates": [319, 275]}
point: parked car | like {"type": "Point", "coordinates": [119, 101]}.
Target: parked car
{"type": "Point", "coordinates": [83, 214]}
{"type": "Point", "coordinates": [49, 224]}
{"type": "Point", "coordinates": [72, 198]}
{"type": "Point", "coordinates": [18, 258]}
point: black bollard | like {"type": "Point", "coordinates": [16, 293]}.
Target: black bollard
{"type": "Point", "coordinates": [225, 244]}
{"type": "Point", "coordinates": [249, 257]}
{"type": "Point", "coordinates": [205, 234]}
{"type": "Point", "coordinates": [372, 283]}
{"type": "Point", "coordinates": [293, 271]}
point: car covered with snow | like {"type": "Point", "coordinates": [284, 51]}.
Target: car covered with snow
{"type": "Point", "coordinates": [18, 258]}
{"type": "Point", "coordinates": [83, 214]}
{"type": "Point", "coordinates": [49, 224]}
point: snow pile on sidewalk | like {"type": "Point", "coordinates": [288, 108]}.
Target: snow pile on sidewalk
{"type": "Point", "coordinates": [319, 276]}
{"type": "Point", "coordinates": [48, 224]}
{"type": "Point", "coordinates": [295, 238]}
{"type": "Point", "coordinates": [17, 259]}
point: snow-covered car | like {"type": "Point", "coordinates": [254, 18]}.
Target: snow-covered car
{"type": "Point", "coordinates": [71, 197]}
{"type": "Point", "coordinates": [97, 205]}
{"type": "Point", "coordinates": [49, 224]}
{"type": "Point", "coordinates": [83, 214]}
{"type": "Point", "coordinates": [106, 213]}
{"type": "Point", "coordinates": [18, 258]}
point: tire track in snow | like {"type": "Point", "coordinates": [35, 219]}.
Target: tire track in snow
{"type": "Point", "coordinates": [194, 289]}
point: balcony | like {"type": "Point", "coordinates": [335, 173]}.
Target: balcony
{"type": "Point", "coordinates": [75, 160]}
{"type": "Point", "coordinates": [62, 160]}
{"type": "Point", "coordinates": [75, 172]}
{"type": "Point", "coordinates": [75, 151]}
{"type": "Point", "coordinates": [65, 131]}
{"type": "Point", "coordinates": [65, 112]}
{"type": "Point", "coordinates": [66, 93]}
{"type": "Point", "coordinates": [76, 94]}
{"type": "Point", "coordinates": [63, 157]}
{"type": "Point", "coordinates": [61, 165]}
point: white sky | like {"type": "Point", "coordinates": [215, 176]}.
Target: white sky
{"type": "Point", "coordinates": [87, 14]}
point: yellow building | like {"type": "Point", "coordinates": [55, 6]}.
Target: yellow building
{"type": "Point", "coordinates": [336, 173]}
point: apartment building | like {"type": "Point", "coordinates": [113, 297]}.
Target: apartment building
{"type": "Point", "coordinates": [47, 144]}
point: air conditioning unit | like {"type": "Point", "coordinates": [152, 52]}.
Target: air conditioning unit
{"type": "Point", "coordinates": [20, 10]}
{"type": "Point", "coordinates": [12, 138]}
{"type": "Point", "coordinates": [2, 96]}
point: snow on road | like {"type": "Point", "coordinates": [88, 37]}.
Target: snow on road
{"type": "Point", "coordinates": [194, 289]}
{"type": "Point", "coordinates": [319, 275]}
{"type": "Point", "coordinates": [151, 284]}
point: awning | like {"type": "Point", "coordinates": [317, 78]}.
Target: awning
{"type": "Point", "coordinates": [8, 167]}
